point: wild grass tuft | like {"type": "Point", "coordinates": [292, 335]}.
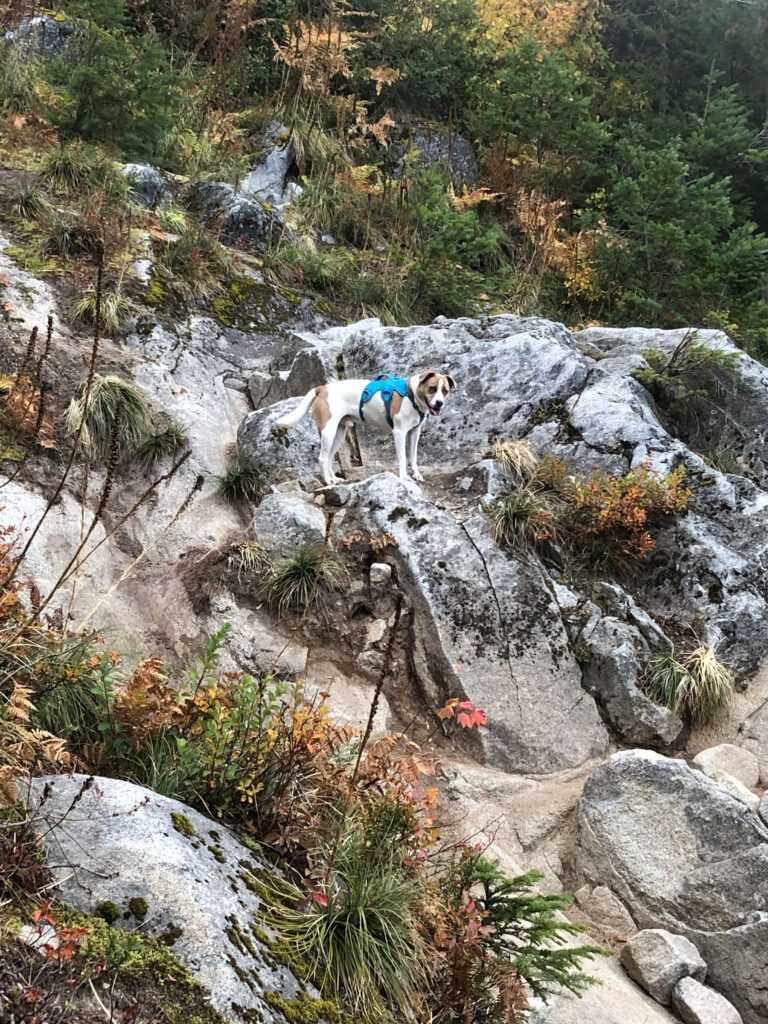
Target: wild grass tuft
{"type": "Point", "coordinates": [361, 942]}
{"type": "Point", "coordinates": [517, 457]}
{"type": "Point", "coordinates": [249, 559]}
{"type": "Point", "coordinates": [242, 480]}
{"type": "Point", "coordinates": [296, 579]}
{"type": "Point", "coordinates": [117, 310]}
{"type": "Point", "coordinates": [525, 517]}
{"type": "Point", "coordinates": [699, 688]}
{"type": "Point", "coordinates": [18, 94]}
{"type": "Point", "coordinates": [161, 440]}
{"type": "Point", "coordinates": [198, 262]}
{"type": "Point", "coordinates": [107, 394]}
{"type": "Point", "coordinates": [30, 202]}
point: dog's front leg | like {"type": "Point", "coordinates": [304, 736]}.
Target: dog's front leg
{"type": "Point", "coordinates": [400, 436]}
{"type": "Point", "coordinates": [413, 444]}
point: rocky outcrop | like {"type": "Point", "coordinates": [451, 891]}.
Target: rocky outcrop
{"type": "Point", "coordinates": [485, 626]}
{"type": "Point", "coordinates": [733, 768]}
{"type": "Point", "coordinates": [168, 869]}
{"type": "Point", "coordinates": [656, 959]}
{"type": "Point", "coordinates": [684, 855]}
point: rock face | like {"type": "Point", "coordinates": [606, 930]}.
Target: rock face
{"type": "Point", "coordinates": [657, 960]}
{"type": "Point", "coordinates": [494, 618]}
{"type": "Point", "coordinates": [44, 36]}
{"type": "Point", "coordinates": [698, 1004]}
{"type": "Point", "coordinates": [684, 855]}
{"type": "Point", "coordinates": [268, 179]}
{"type": "Point", "coordinates": [125, 842]}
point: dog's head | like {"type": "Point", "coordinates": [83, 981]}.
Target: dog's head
{"type": "Point", "coordinates": [432, 390]}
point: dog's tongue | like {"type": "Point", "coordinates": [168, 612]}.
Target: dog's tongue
{"type": "Point", "coordinates": [433, 411]}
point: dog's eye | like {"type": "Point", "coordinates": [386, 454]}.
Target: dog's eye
{"type": "Point", "coordinates": [432, 390]}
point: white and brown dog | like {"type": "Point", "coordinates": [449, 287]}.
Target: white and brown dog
{"type": "Point", "coordinates": [399, 403]}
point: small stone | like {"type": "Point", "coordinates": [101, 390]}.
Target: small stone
{"type": "Point", "coordinates": [465, 484]}
{"type": "Point", "coordinates": [697, 1004]}
{"type": "Point", "coordinates": [320, 499]}
{"type": "Point", "coordinates": [380, 576]}
{"type": "Point", "coordinates": [735, 761]}
{"type": "Point", "coordinates": [375, 631]}
{"type": "Point", "coordinates": [337, 495]}
{"type": "Point", "coordinates": [656, 959]}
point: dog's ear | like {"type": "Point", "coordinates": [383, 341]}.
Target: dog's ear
{"type": "Point", "coordinates": [424, 377]}
{"type": "Point", "coordinates": [451, 381]}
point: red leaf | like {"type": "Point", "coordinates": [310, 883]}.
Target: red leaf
{"type": "Point", "coordinates": [318, 897]}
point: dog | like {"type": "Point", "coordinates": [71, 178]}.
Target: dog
{"type": "Point", "coordinates": [399, 403]}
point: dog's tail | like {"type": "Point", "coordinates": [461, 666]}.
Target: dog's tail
{"type": "Point", "coordinates": [301, 410]}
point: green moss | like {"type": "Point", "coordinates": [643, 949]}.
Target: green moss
{"type": "Point", "coordinates": [416, 522]}
{"type": "Point", "coordinates": [244, 302]}
{"type": "Point", "coordinates": [289, 294]}
{"type": "Point", "coordinates": [218, 853]}
{"type": "Point", "coordinates": [107, 911]}
{"type": "Point", "coordinates": [11, 445]}
{"type": "Point", "coordinates": [182, 824]}
{"type": "Point", "coordinates": [171, 933]}
{"type": "Point", "coordinates": [398, 512]}
{"type": "Point", "coordinates": [240, 939]}
{"type": "Point", "coordinates": [138, 907]}
{"type": "Point", "coordinates": [303, 1009]}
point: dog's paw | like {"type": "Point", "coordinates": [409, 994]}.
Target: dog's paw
{"type": "Point", "coordinates": [416, 475]}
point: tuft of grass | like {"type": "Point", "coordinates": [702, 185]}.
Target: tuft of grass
{"type": "Point", "coordinates": [116, 309]}
{"type": "Point", "coordinates": [242, 480]}
{"type": "Point", "coordinates": [65, 168]}
{"type": "Point", "coordinates": [525, 517]}
{"type": "Point", "coordinates": [363, 946]}
{"type": "Point", "coordinates": [107, 394]}
{"type": "Point", "coordinates": [172, 219]}
{"type": "Point", "coordinates": [292, 583]}
{"type": "Point", "coordinates": [699, 688]}
{"type": "Point", "coordinates": [18, 94]}
{"type": "Point", "coordinates": [30, 202]}
{"type": "Point", "coordinates": [161, 440]}
{"type": "Point", "coordinates": [249, 559]}
{"type": "Point", "coordinates": [198, 262]}
{"type": "Point", "coordinates": [517, 457]}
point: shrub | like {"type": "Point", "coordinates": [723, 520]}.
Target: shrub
{"type": "Point", "coordinates": [361, 942]}
{"type": "Point", "coordinates": [242, 480]}
{"type": "Point", "coordinates": [161, 440]}
{"type": "Point", "coordinates": [608, 518]}
{"type": "Point", "coordinates": [106, 396]}
{"type": "Point", "coordinates": [699, 688]}
{"type": "Point", "coordinates": [305, 575]}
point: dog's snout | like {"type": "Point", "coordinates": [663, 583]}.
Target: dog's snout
{"type": "Point", "coordinates": [438, 404]}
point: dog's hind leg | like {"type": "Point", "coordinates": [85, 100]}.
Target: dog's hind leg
{"type": "Point", "coordinates": [341, 433]}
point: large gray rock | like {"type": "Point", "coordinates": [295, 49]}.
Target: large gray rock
{"type": "Point", "coordinates": [698, 1004]}
{"type": "Point", "coordinates": [684, 855]}
{"type": "Point", "coordinates": [285, 522]}
{"type": "Point", "coordinates": [149, 187]}
{"type": "Point", "coordinates": [613, 656]}
{"type": "Point", "coordinates": [486, 627]}
{"type": "Point", "coordinates": [240, 219]}
{"type": "Point", "coordinates": [735, 761]}
{"type": "Point", "coordinates": [656, 959]}
{"type": "Point", "coordinates": [268, 179]}
{"type": "Point", "coordinates": [433, 145]}
{"type": "Point", "coordinates": [45, 36]}
{"type": "Point", "coordinates": [124, 842]}
{"type": "Point", "coordinates": [287, 454]}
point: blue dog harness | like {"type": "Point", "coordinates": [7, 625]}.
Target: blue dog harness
{"type": "Point", "coordinates": [386, 386]}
